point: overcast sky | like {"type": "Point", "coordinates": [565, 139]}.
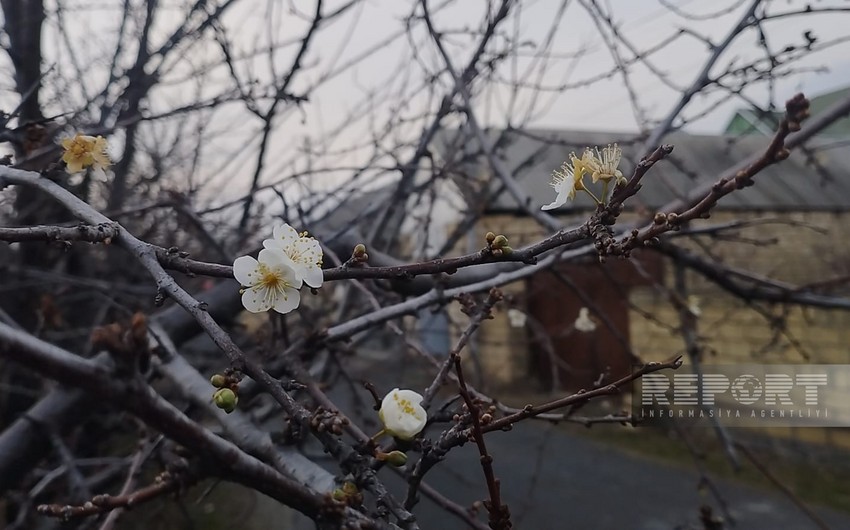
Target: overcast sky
{"type": "Point", "coordinates": [603, 105]}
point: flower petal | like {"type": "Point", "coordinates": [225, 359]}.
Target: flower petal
{"type": "Point", "coordinates": [245, 270]}
{"type": "Point", "coordinates": [560, 200]}
{"type": "Point", "coordinates": [278, 260]}
{"type": "Point", "coordinates": [402, 413]}
{"type": "Point", "coordinates": [274, 257]}
{"type": "Point", "coordinates": [312, 275]}
{"type": "Point", "coordinates": [273, 244]}
{"type": "Point", "coordinates": [309, 249]}
{"type": "Point", "coordinates": [74, 166]}
{"type": "Point", "coordinates": [101, 160]}
{"type": "Point", "coordinates": [257, 299]}
{"type": "Point", "coordinates": [285, 234]}
{"type": "Point", "coordinates": [287, 300]}
{"type": "Point", "coordinates": [414, 397]}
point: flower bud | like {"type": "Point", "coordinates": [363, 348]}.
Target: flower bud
{"type": "Point", "coordinates": [218, 381]}
{"type": "Point", "coordinates": [490, 236]}
{"type": "Point", "coordinates": [395, 458]}
{"type": "Point", "coordinates": [506, 250]}
{"type": "Point", "coordinates": [359, 250]}
{"type": "Point", "coordinates": [402, 414]}
{"type": "Point", "coordinates": [338, 495]}
{"type": "Point", "coordinates": [349, 488]}
{"type": "Point", "coordinates": [499, 241]}
{"type": "Point", "coordinates": [225, 399]}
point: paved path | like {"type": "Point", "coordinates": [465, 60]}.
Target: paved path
{"type": "Point", "coordinates": [580, 484]}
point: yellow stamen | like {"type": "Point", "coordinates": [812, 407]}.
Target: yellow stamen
{"type": "Point", "coordinates": [405, 405]}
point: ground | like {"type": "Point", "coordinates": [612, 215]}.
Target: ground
{"type": "Point", "coordinates": [553, 477]}
{"type": "Point", "coordinates": [582, 484]}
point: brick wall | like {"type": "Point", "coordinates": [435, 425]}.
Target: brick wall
{"type": "Point", "coordinates": [798, 248]}
{"type": "Point", "coordinates": [804, 252]}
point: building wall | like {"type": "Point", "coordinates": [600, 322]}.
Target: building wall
{"type": "Point", "coordinates": [500, 350]}
{"type": "Point", "coordinates": [802, 249]}
{"type": "Point", "coordinates": [798, 248]}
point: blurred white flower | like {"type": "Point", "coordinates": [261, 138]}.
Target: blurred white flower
{"type": "Point", "coordinates": [517, 318]}
{"type": "Point", "coordinates": [304, 251]}
{"type": "Point", "coordinates": [693, 305]}
{"type": "Point", "coordinates": [402, 414]}
{"type": "Point", "coordinates": [584, 323]}
{"type": "Point", "coordinates": [269, 283]}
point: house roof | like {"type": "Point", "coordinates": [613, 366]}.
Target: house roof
{"type": "Point", "coordinates": [820, 181]}
{"type": "Point", "coordinates": [750, 120]}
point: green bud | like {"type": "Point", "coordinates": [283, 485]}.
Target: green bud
{"type": "Point", "coordinates": [490, 236]}
{"type": "Point", "coordinates": [506, 250]}
{"type": "Point", "coordinates": [218, 380]}
{"type": "Point", "coordinates": [349, 488]}
{"type": "Point", "coordinates": [500, 241]}
{"type": "Point", "coordinates": [396, 458]}
{"type": "Point", "coordinates": [225, 399]}
{"type": "Point", "coordinates": [359, 250]}
{"type": "Point", "coordinates": [339, 495]}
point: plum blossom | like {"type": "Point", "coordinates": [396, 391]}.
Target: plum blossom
{"type": "Point", "coordinates": [584, 323]}
{"type": "Point", "coordinates": [83, 151]}
{"type": "Point", "coordinates": [270, 282]}
{"type": "Point", "coordinates": [694, 305]}
{"type": "Point", "coordinates": [517, 318]}
{"type": "Point", "coordinates": [402, 414]}
{"type": "Point", "coordinates": [602, 165]}
{"type": "Point", "coordinates": [304, 252]}
{"type": "Point", "coordinates": [566, 182]}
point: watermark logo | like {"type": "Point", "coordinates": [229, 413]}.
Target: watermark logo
{"type": "Point", "coordinates": [747, 395]}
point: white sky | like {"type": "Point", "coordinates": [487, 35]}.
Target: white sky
{"type": "Point", "coordinates": [604, 105]}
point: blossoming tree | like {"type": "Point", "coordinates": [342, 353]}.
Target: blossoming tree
{"type": "Point", "coordinates": [180, 136]}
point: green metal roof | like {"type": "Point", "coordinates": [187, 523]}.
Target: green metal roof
{"type": "Point", "coordinates": [756, 121]}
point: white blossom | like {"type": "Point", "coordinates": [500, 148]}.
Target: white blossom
{"type": "Point", "coordinates": [584, 323]}
{"type": "Point", "coordinates": [402, 414]}
{"type": "Point", "coordinates": [271, 282]}
{"type": "Point", "coordinates": [603, 164]}
{"type": "Point", "coordinates": [565, 182]}
{"type": "Point", "coordinates": [517, 318]}
{"type": "Point", "coordinates": [304, 251]}
{"type": "Point", "coordinates": [693, 305]}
